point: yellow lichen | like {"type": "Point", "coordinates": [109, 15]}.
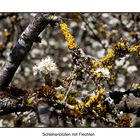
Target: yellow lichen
{"type": "Point", "coordinates": [100, 108]}
{"type": "Point", "coordinates": [69, 38]}
{"type": "Point", "coordinates": [133, 33]}
{"type": "Point", "coordinates": [102, 90]}
{"type": "Point", "coordinates": [136, 86]}
{"type": "Point", "coordinates": [6, 33]}
{"type": "Point", "coordinates": [94, 98]}
{"type": "Point", "coordinates": [30, 100]}
{"type": "Point", "coordinates": [118, 50]}
{"type": "Point", "coordinates": [135, 49]}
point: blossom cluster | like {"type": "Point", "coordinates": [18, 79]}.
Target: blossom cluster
{"type": "Point", "coordinates": [46, 66]}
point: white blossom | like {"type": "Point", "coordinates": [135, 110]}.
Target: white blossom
{"type": "Point", "coordinates": [104, 71]}
{"type": "Point", "coordinates": [126, 65]}
{"type": "Point", "coordinates": [120, 114]}
{"type": "Point", "coordinates": [120, 80]}
{"type": "Point", "coordinates": [101, 53]}
{"type": "Point", "coordinates": [132, 69]}
{"type": "Point", "coordinates": [46, 66]}
{"type": "Point", "coordinates": [111, 101]}
{"type": "Point", "coordinates": [120, 62]}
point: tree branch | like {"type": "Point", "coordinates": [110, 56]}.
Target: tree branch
{"type": "Point", "coordinates": [17, 108]}
{"type": "Point", "coordinates": [22, 47]}
{"type": "Point", "coordinates": [117, 95]}
{"type": "Point", "coordinates": [16, 100]}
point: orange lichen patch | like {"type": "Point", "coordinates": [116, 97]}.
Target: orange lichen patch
{"type": "Point", "coordinates": [69, 38]}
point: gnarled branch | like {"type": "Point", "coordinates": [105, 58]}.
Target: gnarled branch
{"type": "Point", "coordinates": [22, 47]}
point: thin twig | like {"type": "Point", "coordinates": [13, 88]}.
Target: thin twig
{"type": "Point", "coordinates": [68, 90]}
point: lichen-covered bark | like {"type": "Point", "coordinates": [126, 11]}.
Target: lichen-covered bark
{"type": "Point", "coordinates": [22, 47]}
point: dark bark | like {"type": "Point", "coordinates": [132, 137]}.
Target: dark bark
{"type": "Point", "coordinates": [17, 108]}
{"type": "Point", "coordinates": [16, 100]}
{"type": "Point", "coordinates": [22, 47]}
{"type": "Point", "coordinates": [117, 95]}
